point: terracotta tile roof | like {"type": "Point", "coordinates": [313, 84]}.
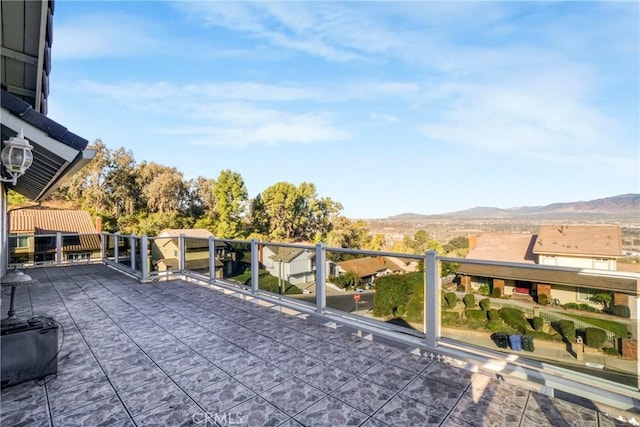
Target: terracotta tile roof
{"type": "Point", "coordinates": [589, 240]}
{"type": "Point", "coordinates": [509, 247]}
{"type": "Point", "coordinates": [368, 266]}
{"type": "Point", "coordinates": [50, 221]}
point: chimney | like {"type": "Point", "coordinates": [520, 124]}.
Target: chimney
{"type": "Point", "coordinates": [99, 224]}
{"type": "Point", "coordinates": [473, 242]}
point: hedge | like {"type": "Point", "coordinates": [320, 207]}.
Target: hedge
{"type": "Point", "coordinates": [475, 314]}
{"type": "Point", "coordinates": [399, 294]}
{"type": "Point", "coordinates": [514, 318]}
{"type": "Point", "coordinates": [567, 329]}
{"type": "Point", "coordinates": [450, 316]}
{"type": "Point", "coordinates": [496, 293]}
{"type": "Point", "coordinates": [493, 315]}
{"type": "Point", "coordinates": [469, 301]}
{"type": "Point", "coordinates": [451, 299]}
{"type": "Point", "coordinates": [543, 299]}
{"type": "Point", "coordinates": [537, 323]}
{"type": "Point", "coordinates": [595, 337]}
{"type": "Point", "coordinates": [485, 304]}
{"type": "Point", "coordinates": [622, 311]}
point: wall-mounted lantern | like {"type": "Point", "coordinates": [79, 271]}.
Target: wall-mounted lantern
{"type": "Point", "coordinates": [16, 157]}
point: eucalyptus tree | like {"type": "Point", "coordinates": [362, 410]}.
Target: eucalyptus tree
{"type": "Point", "coordinates": [295, 213]}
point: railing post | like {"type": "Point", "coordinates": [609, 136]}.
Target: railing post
{"type": "Point", "coordinates": [321, 278]}
{"type": "Point", "coordinates": [212, 258]}
{"type": "Point", "coordinates": [58, 248]}
{"type": "Point", "coordinates": [103, 245]}
{"type": "Point", "coordinates": [182, 252]}
{"type": "Point", "coordinates": [116, 245]}
{"type": "Point", "coordinates": [144, 257]}
{"type": "Point", "coordinates": [132, 251]}
{"type": "Point", "coordinates": [255, 266]}
{"type": "Point", "coordinates": [431, 299]}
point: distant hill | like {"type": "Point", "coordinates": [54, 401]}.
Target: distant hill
{"type": "Point", "coordinates": [619, 206]}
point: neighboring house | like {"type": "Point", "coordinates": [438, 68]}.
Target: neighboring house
{"type": "Point", "coordinates": [369, 268]}
{"type": "Point", "coordinates": [32, 235]}
{"type": "Point", "coordinates": [584, 249]}
{"type": "Point", "coordinates": [165, 252]}
{"type": "Point", "coordinates": [295, 265]}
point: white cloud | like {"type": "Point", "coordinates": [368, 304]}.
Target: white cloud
{"type": "Point", "coordinates": [103, 35]}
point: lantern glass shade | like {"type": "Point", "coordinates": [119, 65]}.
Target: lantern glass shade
{"type": "Point", "coordinates": [16, 155]}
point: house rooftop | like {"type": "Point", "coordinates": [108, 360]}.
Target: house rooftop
{"type": "Point", "coordinates": [589, 240]}
{"type": "Point", "coordinates": [508, 247]}
{"type": "Point", "coordinates": [169, 353]}
{"type": "Point", "coordinates": [50, 221]}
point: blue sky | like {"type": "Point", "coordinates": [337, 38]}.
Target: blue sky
{"type": "Point", "coordinates": [387, 107]}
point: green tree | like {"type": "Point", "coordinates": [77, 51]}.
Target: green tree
{"type": "Point", "coordinates": [231, 196]}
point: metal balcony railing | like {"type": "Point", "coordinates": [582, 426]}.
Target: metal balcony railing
{"type": "Point", "coordinates": [247, 268]}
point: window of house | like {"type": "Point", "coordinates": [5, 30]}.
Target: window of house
{"type": "Point", "coordinates": [79, 256]}
{"type": "Point", "coordinates": [22, 241]}
{"type": "Point", "coordinates": [601, 264]}
{"type": "Point", "coordinates": [585, 294]}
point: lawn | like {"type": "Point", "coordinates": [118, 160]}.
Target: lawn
{"type": "Point", "coordinates": [620, 329]}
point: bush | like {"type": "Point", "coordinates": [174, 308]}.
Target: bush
{"type": "Point", "coordinates": [475, 314]}
{"type": "Point", "coordinates": [397, 293]}
{"type": "Point", "coordinates": [451, 299]}
{"type": "Point", "coordinates": [537, 323]}
{"type": "Point", "coordinates": [610, 351]}
{"type": "Point", "coordinates": [622, 311]}
{"type": "Point", "coordinates": [543, 299]}
{"type": "Point", "coordinates": [514, 318]}
{"type": "Point", "coordinates": [485, 304]}
{"type": "Point", "coordinates": [469, 301]}
{"type": "Point", "coordinates": [484, 290]}
{"type": "Point", "coordinates": [496, 293]}
{"type": "Point", "coordinates": [587, 307]}
{"type": "Point", "coordinates": [595, 337]}
{"type": "Point", "coordinates": [493, 315]}
{"type": "Point", "coordinates": [571, 305]}
{"type": "Point", "coordinates": [450, 317]}
{"type": "Point", "coordinates": [567, 329]}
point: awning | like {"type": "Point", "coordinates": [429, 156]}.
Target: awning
{"type": "Point", "coordinates": [57, 153]}
{"type": "Point", "coordinates": [628, 285]}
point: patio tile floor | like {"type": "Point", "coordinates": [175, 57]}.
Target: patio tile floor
{"type": "Point", "coordinates": [176, 353]}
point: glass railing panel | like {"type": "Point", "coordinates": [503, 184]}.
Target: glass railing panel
{"type": "Point", "coordinates": [288, 270]}
{"type": "Point", "coordinates": [574, 318]}
{"type": "Point", "coordinates": [81, 248]}
{"type": "Point", "coordinates": [196, 255]}
{"type": "Point", "coordinates": [21, 250]}
{"type": "Point", "coordinates": [382, 286]}
{"type": "Point", "coordinates": [165, 254]}
{"type": "Point", "coordinates": [233, 262]}
{"type": "Point", "coordinates": [110, 246]}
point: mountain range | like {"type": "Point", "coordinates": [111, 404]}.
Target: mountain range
{"type": "Point", "coordinates": [621, 206]}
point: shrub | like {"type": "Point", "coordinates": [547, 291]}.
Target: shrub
{"type": "Point", "coordinates": [537, 323]}
{"type": "Point", "coordinates": [485, 304]}
{"type": "Point", "coordinates": [493, 315]}
{"type": "Point", "coordinates": [450, 317]}
{"type": "Point", "coordinates": [622, 311]}
{"type": "Point", "coordinates": [543, 299]}
{"type": "Point", "coordinates": [451, 299]}
{"type": "Point", "coordinates": [469, 301]}
{"type": "Point", "coordinates": [496, 292]}
{"type": "Point", "coordinates": [587, 307]}
{"type": "Point", "coordinates": [394, 292]}
{"type": "Point", "coordinates": [475, 314]}
{"type": "Point", "coordinates": [514, 318]}
{"type": "Point", "coordinates": [595, 337]}
{"type": "Point", "coordinates": [610, 351]}
{"type": "Point", "coordinates": [484, 290]}
{"type": "Point", "coordinates": [567, 329]}
{"type": "Point", "coordinates": [571, 305]}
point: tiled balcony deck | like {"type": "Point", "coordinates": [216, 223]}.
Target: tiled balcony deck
{"type": "Point", "coordinates": [166, 354]}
